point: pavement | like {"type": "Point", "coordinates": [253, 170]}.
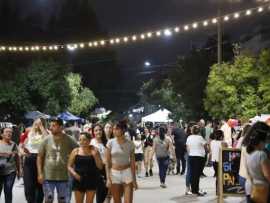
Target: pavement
{"type": "Point", "coordinates": [150, 192]}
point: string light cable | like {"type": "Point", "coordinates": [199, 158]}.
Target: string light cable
{"type": "Point", "coordinates": [139, 36]}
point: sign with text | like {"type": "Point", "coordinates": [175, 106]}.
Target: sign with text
{"type": "Point", "coordinates": [229, 176]}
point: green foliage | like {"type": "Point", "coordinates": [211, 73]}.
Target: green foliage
{"type": "Point", "coordinates": [189, 79]}
{"type": "Point", "coordinates": [46, 86]}
{"type": "Point", "coordinates": [162, 93]}
{"type": "Point", "coordinates": [239, 89]}
{"type": "Point", "coordinates": [83, 99]}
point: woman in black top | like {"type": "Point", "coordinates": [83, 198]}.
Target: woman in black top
{"type": "Point", "coordinates": [83, 165]}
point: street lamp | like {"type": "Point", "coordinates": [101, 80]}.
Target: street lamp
{"type": "Point", "coordinates": [147, 63]}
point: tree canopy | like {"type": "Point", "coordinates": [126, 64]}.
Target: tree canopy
{"type": "Point", "coordinates": [239, 89]}
{"type": "Point", "coordinates": [45, 86]}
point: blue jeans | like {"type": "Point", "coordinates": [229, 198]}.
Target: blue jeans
{"type": "Point", "coordinates": [163, 163]}
{"type": "Point", "coordinates": [7, 181]}
{"type": "Point", "coordinates": [62, 188]}
{"type": "Point", "coordinates": [188, 176]}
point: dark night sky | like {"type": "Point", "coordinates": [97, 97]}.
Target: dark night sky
{"type": "Point", "coordinates": [129, 16]}
{"type": "Point", "coordinates": [121, 17]}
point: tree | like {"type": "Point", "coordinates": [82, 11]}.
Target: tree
{"type": "Point", "coordinates": [189, 79]}
{"type": "Point", "coordinates": [239, 89]}
{"type": "Point", "coordinates": [41, 86]}
{"type": "Point", "coordinates": [82, 98]}
{"type": "Point", "coordinates": [45, 86]}
{"type": "Point", "coordinates": [162, 93]}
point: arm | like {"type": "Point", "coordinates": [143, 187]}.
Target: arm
{"type": "Point", "coordinates": [97, 158]}
{"type": "Point", "coordinates": [265, 165]}
{"type": "Point", "coordinates": [153, 150]}
{"type": "Point", "coordinates": [71, 165]}
{"type": "Point", "coordinates": [40, 164]}
{"type": "Point", "coordinates": [40, 161]}
{"type": "Point", "coordinates": [17, 159]}
{"type": "Point", "coordinates": [108, 166]}
{"type": "Point", "coordinates": [133, 169]}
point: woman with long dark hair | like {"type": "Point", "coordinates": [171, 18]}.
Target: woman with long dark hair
{"type": "Point", "coordinates": [82, 165]}
{"type": "Point", "coordinates": [120, 164]}
{"type": "Point", "coordinates": [100, 142]}
{"type": "Point", "coordinates": [161, 147]}
{"type": "Point", "coordinates": [257, 163]}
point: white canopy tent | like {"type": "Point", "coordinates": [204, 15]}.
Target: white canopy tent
{"type": "Point", "coordinates": [262, 118]}
{"type": "Point", "coordinates": [160, 116]}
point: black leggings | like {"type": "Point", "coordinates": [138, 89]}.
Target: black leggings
{"type": "Point", "coordinates": [196, 168]}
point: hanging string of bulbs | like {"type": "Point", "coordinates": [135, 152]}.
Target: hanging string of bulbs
{"type": "Point", "coordinates": [139, 36]}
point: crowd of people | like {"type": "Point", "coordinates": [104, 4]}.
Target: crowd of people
{"type": "Point", "coordinates": [103, 161]}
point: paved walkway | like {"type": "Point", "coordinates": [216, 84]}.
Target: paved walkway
{"type": "Point", "coordinates": [150, 191]}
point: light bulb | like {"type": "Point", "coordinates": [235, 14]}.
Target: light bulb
{"type": "Point", "coordinates": [205, 23]}
{"type": "Point", "coordinates": [226, 18]}
{"type": "Point", "coordinates": [236, 15]}
{"type": "Point", "coordinates": [248, 12]}
{"type": "Point", "coordinates": [214, 20]}
{"type": "Point", "coordinates": [195, 25]}
{"type": "Point", "coordinates": [186, 27]}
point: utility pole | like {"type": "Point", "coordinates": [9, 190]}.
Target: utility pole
{"type": "Point", "coordinates": [219, 32]}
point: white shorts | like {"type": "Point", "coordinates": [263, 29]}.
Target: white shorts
{"type": "Point", "coordinates": [121, 177]}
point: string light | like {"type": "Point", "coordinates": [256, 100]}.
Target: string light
{"type": "Point", "coordinates": [260, 9]}
{"type": "Point", "coordinates": [226, 18]}
{"type": "Point", "coordinates": [214, 20]}
{"type": "Point", "coordinates": [236, 15]}
{"type": "Point", "coordinates": [139, 36]}
{"type": "Point", "coordinates": [134, 37]}
{"type": "Point", "coordinates": [248, 12]}
{"type": "Point", "coordinates": [167, 32]}
{"type": "Point", "coordinates": [195, 25]}
{"type": "Point", "coordinates": [205, 23]}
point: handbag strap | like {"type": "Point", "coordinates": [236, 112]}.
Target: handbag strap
{"type": "Point", "coordinates": [12, 150]}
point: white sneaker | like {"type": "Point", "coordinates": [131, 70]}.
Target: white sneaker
{"type": "Point", "coordinates": [163, 185]}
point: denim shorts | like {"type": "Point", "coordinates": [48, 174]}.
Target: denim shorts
{"type": "Point", "coordinates": [62, 189]}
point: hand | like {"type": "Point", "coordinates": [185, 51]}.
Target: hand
{"type": "Point", "coordinates": [77, 177]}
{"type": "Point", "coordinates": [135, 185]}
{"type": "Point", "coordinates": [40, 179]}
{"type": "Point", "coordinates": [109, 183]}
{"type": "Point", "coordinates": [19, 174]}
{"type": "Point", "coordinates": [95, 152]}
